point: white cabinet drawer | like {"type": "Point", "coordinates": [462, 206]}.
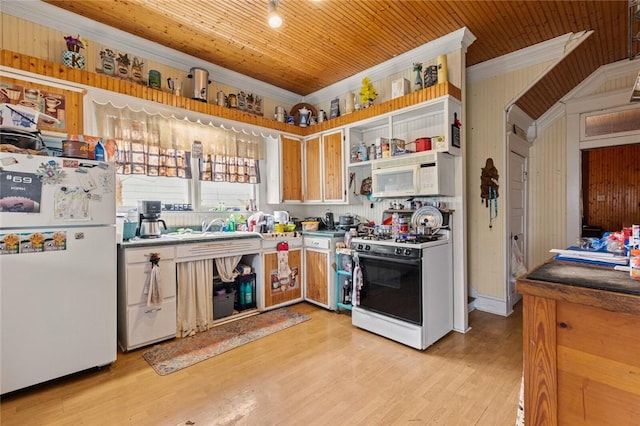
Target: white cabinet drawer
{"type": "Point", "coordinates": [147, 325]}
{"type": "Point", "coordinates": [137, 275]}
{"type": "Point", "coordinates": [142, 254]}
{"type": "Point", "coordinates": [320, 243]}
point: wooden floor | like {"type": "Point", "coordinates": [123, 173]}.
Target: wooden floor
{"type": "Point", "coordinates": [320, 372]}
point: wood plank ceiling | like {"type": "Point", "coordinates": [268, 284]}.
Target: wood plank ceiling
{"type": "Point", "coordinates": [324, 41]}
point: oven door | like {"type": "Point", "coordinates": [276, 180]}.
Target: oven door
{"type": "Point", "coordinates": [392, 287]}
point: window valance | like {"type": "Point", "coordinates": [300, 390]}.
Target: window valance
{"type": "Point", "coordinates": [159, 145]}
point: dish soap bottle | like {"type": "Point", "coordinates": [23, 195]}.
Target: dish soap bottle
{"type": "Point", "coordinates": [99, 152]}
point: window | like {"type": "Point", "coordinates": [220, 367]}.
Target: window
{"type": "Point", "coordinates": [200, 194]}
{"type": "Point", "coordinates": [612, 123]}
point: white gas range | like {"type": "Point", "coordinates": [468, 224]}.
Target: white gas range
{"type": "Point", "coordinates": [406, 290]}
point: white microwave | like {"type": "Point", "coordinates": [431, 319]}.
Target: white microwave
{"type": "Point", "coordinates": [424, 176]}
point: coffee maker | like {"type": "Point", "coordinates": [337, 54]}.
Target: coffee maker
{"type": "Point", "coordinates": [149, 219]}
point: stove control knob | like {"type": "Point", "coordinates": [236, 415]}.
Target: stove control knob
{"type": "Point", "coordinates": [367, 247]}
{"type": "Point", "coordinates": [407, 251]}
{"type": "Point", "coordinates": [359, 247]}
{"type": "Point", "coordinates": [398, 250]}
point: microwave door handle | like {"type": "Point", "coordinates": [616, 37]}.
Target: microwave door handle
{"type": "Point", "coordinates": [394, 259]}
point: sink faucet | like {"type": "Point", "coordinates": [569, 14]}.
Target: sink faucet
{"type": "Point", "coordinates": [207, 225]}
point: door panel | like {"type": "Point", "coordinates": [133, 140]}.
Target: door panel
{"type": "Point", "coordinates": [291, 169]}
{"type": "Point", "coordinates": [517, 206]}
{"type": "Point", "coordinates": [312, 176]}
{"type": "Point", "coordinates": [333, 167]}
{"type": "Point", "coordinates": [316, 278]}
{"type": "Point", "coordinates": [276, 289]}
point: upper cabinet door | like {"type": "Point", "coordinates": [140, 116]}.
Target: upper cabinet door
{"type": "Point", "coordinates": [333, 172]}
{"type": "Point", "coordinates": [291, 169]}
{"type": "Point", "coordinates": [313, 167]}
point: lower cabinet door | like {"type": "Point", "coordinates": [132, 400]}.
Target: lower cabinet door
{"type": "Point", "coordinates": [147, 325]}
{"type": "Point", "coordinates": [316, 277]}
{"type": "Point", "coordinates": [282, 283]}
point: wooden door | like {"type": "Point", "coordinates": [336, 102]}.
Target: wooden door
{"type": "Point", "coordinates": [333, 178]}
{"type": "Point", "coordinates": [316, 279]}
{"type": "Point", "coordinates": [312, 189]}
{"type": "Point", "coordinates": [277, 289]}
{"type": "Point", "coordinates": [291, 169]}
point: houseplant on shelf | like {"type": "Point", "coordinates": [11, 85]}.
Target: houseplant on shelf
{"type": "Point", "coordinates": [136, 70]}
{"type": "Point", "coordinates": [123, 65]}
{"type": "Point", "coordinates": [107, 61]}
{"type": "Point", "coordinates": [72, 57]}
{"type": "Point", "coordinates": [367, 93]}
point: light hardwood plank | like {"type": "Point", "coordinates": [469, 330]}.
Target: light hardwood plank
{"type": "Point", "coordinates": [323, 371]}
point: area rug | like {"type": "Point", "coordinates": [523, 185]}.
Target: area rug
{"type": "Point", "coordinates": [170, 357]}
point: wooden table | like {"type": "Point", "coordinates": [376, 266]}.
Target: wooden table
{"type": "Point", "coordinates": [581, 343]}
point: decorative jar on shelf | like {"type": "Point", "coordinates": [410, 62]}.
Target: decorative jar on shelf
{"type": "Point", "coordinates": [73, 59]}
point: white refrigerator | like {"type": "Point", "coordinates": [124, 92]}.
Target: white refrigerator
{"type": "Point", "coordinates": [57, 268]}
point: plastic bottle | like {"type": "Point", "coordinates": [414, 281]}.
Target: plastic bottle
{"type": "Point", "coordinates": [248, 294]}
{"type": "Point", "coordinates": [99, 152]}
{"type": "Point", "coordinates": [243, 295]}
{"type": "Point", "coordinates": [232, 223]}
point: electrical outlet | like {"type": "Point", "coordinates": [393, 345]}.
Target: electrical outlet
{"type": "Point", "coordinates": [600, 198]}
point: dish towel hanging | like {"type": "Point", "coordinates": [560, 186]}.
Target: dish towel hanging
{"type": "Point", "coordinates": [357, 282]}
{"type": "Point", "coordinates": [152, 282]}
{"type": "Point", "coordinates": [284, 272]}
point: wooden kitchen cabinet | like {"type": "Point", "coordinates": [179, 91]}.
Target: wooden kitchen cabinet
{"type": "Point", "coordinates": [324, 168]}
{"type": "Point", "coordinates": [333, 167]}
{"type": "Point", "coordinates": [313, 169]}
{"type": "Point", "coordinates": [581, 346]}
{"type": "Point", "coordinates": [138, 324]}
{"type": "Point", "coordinates": [291, 169]}
{"type": "Point", "coordinates": [319, 271]}
{"type": "Point", "coordinates": [280, 291]}
{"type": "Point", "coordinates": [284, 174]}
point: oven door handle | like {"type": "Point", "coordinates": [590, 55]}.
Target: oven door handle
{"type": "Point", "coordinates": [391, 259]}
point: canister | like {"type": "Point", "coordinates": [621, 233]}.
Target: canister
{"type": "Point", "coordinates": [155, 79]}
{"type": "Point", "coordinates": [372, 151]}
{"type": "Point", "coordinates": [423, 144]}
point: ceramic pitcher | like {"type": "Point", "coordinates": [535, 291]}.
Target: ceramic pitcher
{"type": "Point", "coordinates": [304, 116]}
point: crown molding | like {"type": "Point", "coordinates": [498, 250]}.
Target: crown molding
{"type": "Point", "coordinates": [459, 39]}
{"type": "Point", "coordinates": [54, 17]}
{"type": "Point", "coordinates": [538, 53]}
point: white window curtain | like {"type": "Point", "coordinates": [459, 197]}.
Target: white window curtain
{"type": "Point", "coordinates": [156, 145]}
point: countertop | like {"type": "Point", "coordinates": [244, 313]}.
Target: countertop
{"type": "Point", "coordinates": [582, 275]}
{"type": "Point", "coordinates": [190, 239]}
{"type": "Point", "coordinates": [173, 239]}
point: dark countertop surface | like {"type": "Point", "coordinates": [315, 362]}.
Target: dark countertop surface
{"type": "Point", "coordinates": [582, 275]}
